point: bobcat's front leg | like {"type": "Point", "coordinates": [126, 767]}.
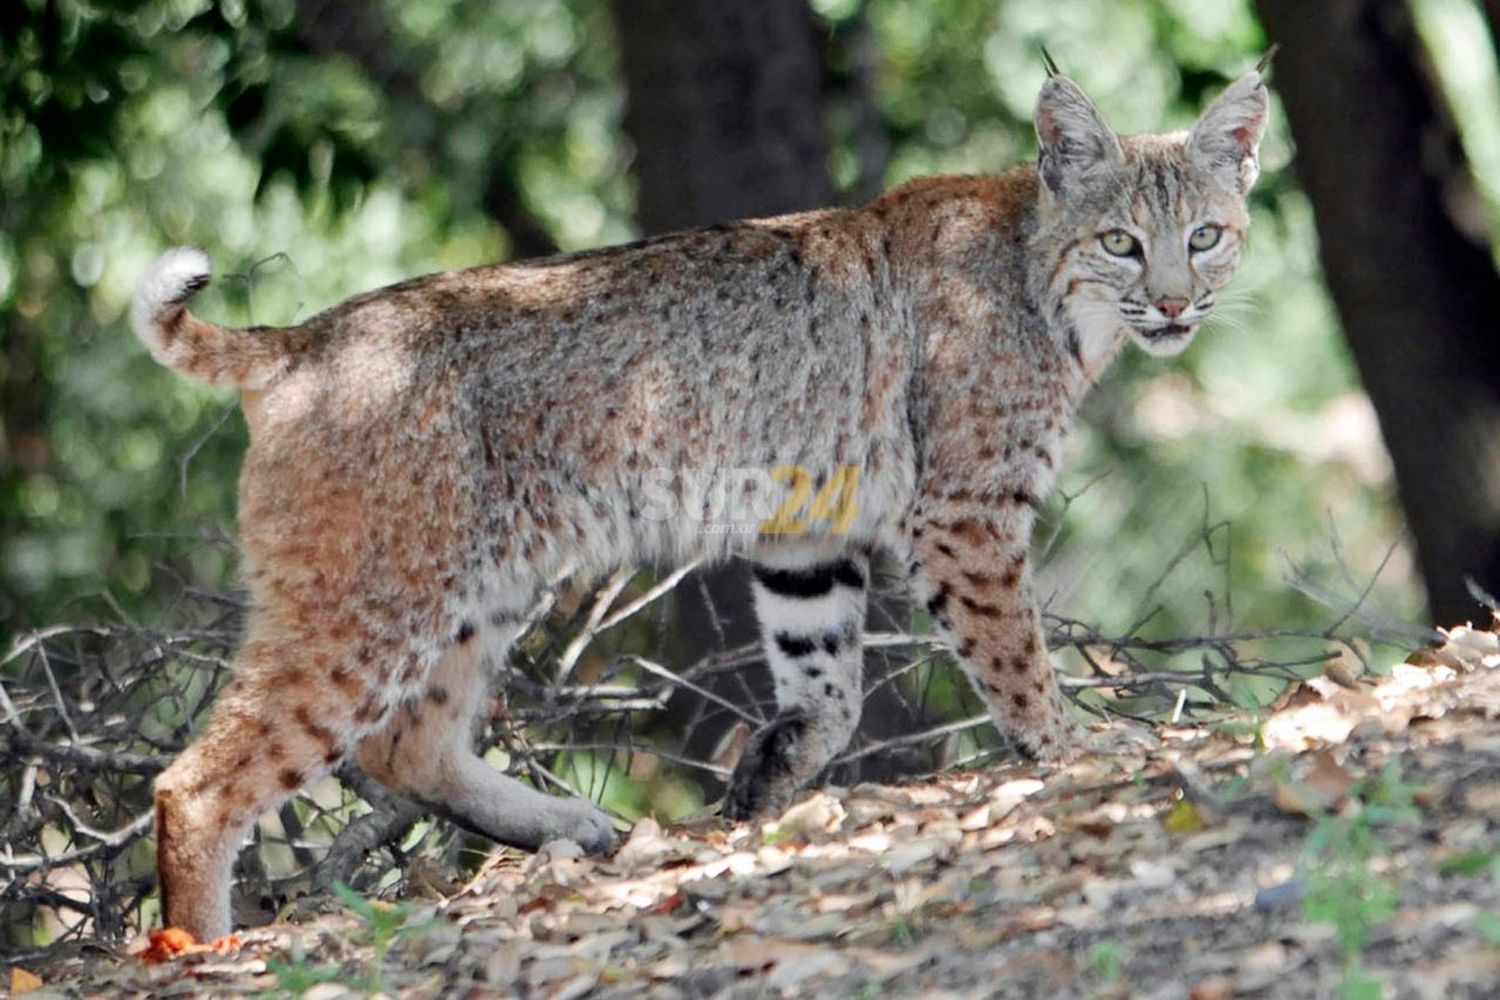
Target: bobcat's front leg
{"type": "Point", "coordinates": [970, 569]}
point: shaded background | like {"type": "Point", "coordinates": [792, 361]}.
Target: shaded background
{"type": "Point", "coordinates": [318, 149]}
{"type": "Point", "coordinates": [1334, 431]}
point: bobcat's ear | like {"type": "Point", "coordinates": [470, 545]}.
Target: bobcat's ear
{"type": "Point", "coordinates": [1076, 144]}
{"type": "Point", "coordinates": [1226, 140]}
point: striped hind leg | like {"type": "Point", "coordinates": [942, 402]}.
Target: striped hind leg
{"type": "Point", "coordinates": [811, 614]}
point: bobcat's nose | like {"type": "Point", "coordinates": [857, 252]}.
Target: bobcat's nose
{"type": "Point", "coordinates": [1172, 307]}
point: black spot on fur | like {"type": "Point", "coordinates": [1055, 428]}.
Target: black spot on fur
{"type": "Point", "coordinates": [847, 572]}
{"type": "Point", "coordinates": [465, 633]}
{"type": "Point", "coordinates": [937, 602]}
{"type": "Point", "coordinates": [804, 583]}
{"type": "Point", "coordinates": [794, 645]}
{"type": "Point", "coordinates": [813, 581]}
{"type": "Point", "coordinates": [831, 644]}
{"type": "Point", "coordinates": [812, 673]}
{"type": "Point", "coordinates": [194, 284]}
{"type": "Point", "coordinates": [980, 607]}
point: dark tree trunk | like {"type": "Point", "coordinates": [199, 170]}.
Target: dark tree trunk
{"type": "Point", "coordinates": [724, 107]}
{"type": "Point", "coordinates": [25, 448]}
{"type": "Point", "coordinates": [725, 110]}
{"type": "Point", "coordinates": [1413, 281]}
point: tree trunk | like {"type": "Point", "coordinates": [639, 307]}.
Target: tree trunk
{"type": "Point", "coordinates": [1492, 15]}
{"type": "Point", "coordinates": [724, 107]}
{"type": "Point", "coordinates": [725, 110]}
{"type": "Point", "coordinates": [1415, 286]}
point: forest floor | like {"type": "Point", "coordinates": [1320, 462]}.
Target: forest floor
{"type": "Point", "coordinates": [1347, 842]}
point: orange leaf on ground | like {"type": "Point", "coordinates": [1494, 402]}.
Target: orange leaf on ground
{"type": "Point", "coordinates": [174, 942]}
{"type": "Point", "coordinates": [166, 944]}
{"type": "Point", "coordinates": [22, 981]}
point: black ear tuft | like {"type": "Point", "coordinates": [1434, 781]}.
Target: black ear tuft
{"type": "Point", "coordinates": [1048, 64]}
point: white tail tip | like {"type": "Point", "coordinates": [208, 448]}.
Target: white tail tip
{"type": "Point", "coordinates": [170, 281]}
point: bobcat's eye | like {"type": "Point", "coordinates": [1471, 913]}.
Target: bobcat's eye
{"type": "Point", "coordinates": [1206, 236]}
{"type": "Point", "coordinates": [1120, 243]}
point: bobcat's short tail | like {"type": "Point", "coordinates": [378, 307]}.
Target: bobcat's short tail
{"type": "Point", "coordinates": [247, 359]}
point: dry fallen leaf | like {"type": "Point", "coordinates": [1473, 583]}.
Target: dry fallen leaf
{"type": "Point", "coordinates": [731, 746]}
{"type": "Point", "coordinates": [22, 981]}
{"type": "Point", "coordinates": [1471, 647]}
{"type": "Point", "coordinates": [646, 846]}
{"type": "Point", "coordinates": [1212, 988]}
{"type": "Point", "coordinates": [819, 813]}
{"type": "Point", "coordinates": [1322, 789]}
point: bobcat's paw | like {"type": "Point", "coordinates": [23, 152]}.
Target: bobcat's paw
{"type": "Point", "coordinates": [764, 780]}
{"type": "Point", "coordinates": [584, 823]}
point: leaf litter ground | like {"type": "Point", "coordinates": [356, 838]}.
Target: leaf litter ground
{"type": "Point", "coordinates": [1349, 840]}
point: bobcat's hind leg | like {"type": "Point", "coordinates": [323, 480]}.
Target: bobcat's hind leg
{"type": "Point", "coordinates": [426, 752]}
{"type": "Point", "coordinates": [811, 615]}
{"type": "Point", "coordinates": [294, 709]}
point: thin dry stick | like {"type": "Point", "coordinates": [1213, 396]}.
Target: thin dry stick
{"type": "Point", "coordinates": [591, 627]}
{"type": "Point", "coordinates": [106, 845]}
{"type": "Point", "coordinates": [655, 593]}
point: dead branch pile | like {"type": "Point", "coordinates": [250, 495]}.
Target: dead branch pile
{"type": "Point", "coordinates": [594, 701]}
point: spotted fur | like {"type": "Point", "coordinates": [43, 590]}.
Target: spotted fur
{"type": "Point", "coordinates": [426, 457]}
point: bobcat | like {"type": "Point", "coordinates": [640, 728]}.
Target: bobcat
{"type": "Point", "coordinates": [425, 457]}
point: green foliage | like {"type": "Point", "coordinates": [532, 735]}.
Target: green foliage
{"type": "Point", "coordinates": [384, 924]}
{"type": "Point", "coordinates": [1104, 960]}
{"type": "Point", "coordinates": [125, 128]}
{"type": "Point", "coordinates": [1343, 888]}
{"type": "Point", "coordinates": [1472, 863]}
{"type": "Point", "coordinates": [297, 976]}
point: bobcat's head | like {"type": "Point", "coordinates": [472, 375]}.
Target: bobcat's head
{"type": "Point", "coordinates": [1143, 231]}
